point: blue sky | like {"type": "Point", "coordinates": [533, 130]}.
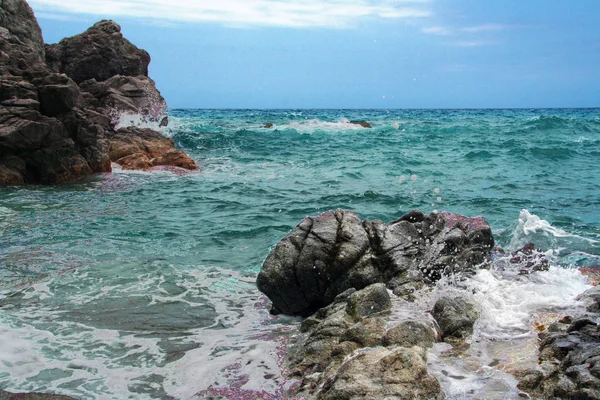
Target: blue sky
{"type": "Point", "coordinates": [355, 54]}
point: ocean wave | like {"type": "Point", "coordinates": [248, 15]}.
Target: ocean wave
{"type": "Point", "coordinates": [553, 153]}
{"type": "Point", "coordinates": [479, 155]}
{"type": "Point", "coordinates": [560, 243]}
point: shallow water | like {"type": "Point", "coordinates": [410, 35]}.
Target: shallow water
{"type": "Point", "coordinates": [141, 285]}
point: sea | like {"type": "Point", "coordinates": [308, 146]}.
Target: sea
{"type": "Point", "coordinates": [141, 285]}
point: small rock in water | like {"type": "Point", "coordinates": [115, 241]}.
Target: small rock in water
{"type": "Point", "coordinates": [364, 124]}
{"type": "Point", "coordinates": [455, 316]}
{"type": "Point", "coordinates": [268, 125]}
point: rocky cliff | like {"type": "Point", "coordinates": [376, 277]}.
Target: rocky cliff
{"type": "Point", "coordinates": [59, 103]}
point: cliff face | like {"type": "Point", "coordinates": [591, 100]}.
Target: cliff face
{"type": "Point", "coordinates": [58, 102]}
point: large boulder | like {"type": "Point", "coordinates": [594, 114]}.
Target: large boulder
{"type": "Point", "coordinates": [50, 130]}
{"type": "Point", "coordinates": [99, 53]}
{"type": "Point", "coordinates": [326, 255]}
{"type": "Point", "coordinates": [21, 43]}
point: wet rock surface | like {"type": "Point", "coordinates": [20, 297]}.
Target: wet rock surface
{"type": "Point", "coordinates": [59, 103]}
{"type": "Point", "coordinates": [350, 352]}
{"type": "Point", "coordinates": [4, 395]}
{"type": "Point", "coordinates": [142, 149]}
{"type": "Point", "coordinates": [455, 316]}
{"type": "Point", "coordinates": [326, 255]}
{"type": "Point", "coordinates": [569, 362]}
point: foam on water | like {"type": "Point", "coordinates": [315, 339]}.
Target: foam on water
{"type": "Point", "coordinates": [512, 307]}
{"type": "Point", "coordinates": [42, 348]}
{"type": "Point", "coordinates": [142, 285]}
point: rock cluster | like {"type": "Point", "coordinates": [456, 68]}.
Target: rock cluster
{"type": "Point", "coordinates": [348, 351]}
{"type": "Point", "coordinates": [326, 255]}
{"type": "Point", "coordinates": [58, 103]}
{"type": "Point", "coordinates": [339, 271]}
{"type": "Point", "coordinates": [569, 360]}
{"type": "Point", "coordinates": [4, 395]}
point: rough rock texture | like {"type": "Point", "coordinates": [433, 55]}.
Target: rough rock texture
{"type": "Point", "coordinates": [133, 94]}
{"type": "Point", "coordinates": [99, 53]}
{"type": "Point", "coordinates": [399, 373]}
{"type": "Point", "coordinates": [142, 149]}
{"type": "Point", "coordinates": [21, 43]}
{"type": "Point", "coordinates": [326, 255]}
{"type": "Point", "coordinates": [591, 298]}
{"type": "Point", "coordinates": [569, 362]}
{"type": "Point", "coordinates": [455, 316]}
{"type": "Point", "coordinates": [341, 353]}
{"type": "Point", "coordinates": [4, 395]}
{"type": "Point", "coordinates": [52, 129]}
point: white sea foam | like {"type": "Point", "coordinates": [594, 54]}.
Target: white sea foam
{"type": "Point", "coordinates": [314, 125]}
{"type": "Point", "coordinates": [242, 348]}
{"type": "Point", "coordinates": [532, 228]}
{"type": "Point", "coordinates": [505, 335]}
{"type": "Point", "coordinates": [125, 119]}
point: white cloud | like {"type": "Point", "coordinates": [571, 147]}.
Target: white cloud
{"type": "Point", "coordinates": [484, 28]}
{"type": "Point", "coordinates": [444, 30]}
{"type": "Point", "coordinates": [437, 30]}
{"type": "Point", "coordinates": [278, 13]}
{"type": "Point", "coordinates": [474, 43]}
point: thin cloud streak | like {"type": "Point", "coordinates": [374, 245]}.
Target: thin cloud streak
{"type": "Point", "coordinates": [484, 28]}
{"type": "Point", "coordinates": [242, 13]}
{"type": "Point", "coordinates": [445, 31]}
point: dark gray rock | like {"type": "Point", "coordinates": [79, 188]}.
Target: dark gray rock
{"type": "Point", "coordinates": [5, 395]}
{"type": "Point", "coordinates": [372, 300]}
{"type": "Point", "coordinates": [99, 53]}
{"type": "Point", "coordinates": [364, 124]}
{"type": "Point", "coordinates": [569, 362]}
{"type": "Point", "coordinates": [455, 316]}
{"type": "Point", "coordinates": [591, 298]}
{"type": "Point", "coordinates": [326, 255]}
{"type": "Point", "coordinates": [51, 131]}
{"type": "Point", "coordinates": [133, 94]}
{"type": "Point", "coordinates": [21, 43]}
{"type": "Point", "coordinates": [57, 94]}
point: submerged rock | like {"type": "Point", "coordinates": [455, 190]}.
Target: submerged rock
{"type": "Point", "coordinates": [4, 395]}
{"type": "Point", "coordinates": [326, 255]}
{"type": "Point", "coordinates": [364, 124]}
{"type": "Point", "coordinates": [52, 129]}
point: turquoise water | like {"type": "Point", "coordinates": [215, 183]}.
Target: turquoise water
{"type": "Point", "coordinates": [141, 285]}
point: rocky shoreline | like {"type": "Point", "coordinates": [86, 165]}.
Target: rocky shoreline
{"type": "Point", "coordinates": [344, 274]}
{"type": "Point", "coordinates": [60, 104]}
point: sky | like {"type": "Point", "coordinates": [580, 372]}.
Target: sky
{"type": "Point", "coordinates": [355, 54]}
